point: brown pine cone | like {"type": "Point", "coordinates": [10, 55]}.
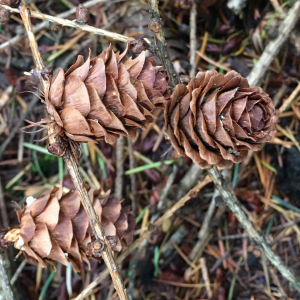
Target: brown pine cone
{"type": "Point", "coordinates": [217, 119]}
{"type": "Point", "coordinates": [56, 228]}
{"type": "Point", "coordinates": [106, 96]}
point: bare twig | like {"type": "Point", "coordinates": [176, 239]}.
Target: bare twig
{"type": "Point", "coordinates": [272, 49]}
{"type": "Point", "coordinates": [193, 38]}
{"type": "Point", "coordinates": [42, 25]}
{"type": "Point", "coordinates": [99, 233]}
{"type": "Point", "coordinates": [204, 232]}
{"type": "Point", "coordinates": [160, 48]}
{"type": "Point", "coordinates": [234, 205]}
{"type": "Point", "coordinates": [290, 99]}
{"type": "Point", "coordinates": [177, 237]}
{"type": "Point", "coordinates": [4, 279]}
{"type": "Point", "coordinates": [107, 253]}
{"type": "Point", "coordinates": [74, 24]}
{"type": "Point", "coordinates": [189, 179]}
{"type": "Point", "coordinates": [205, 276]}
{"type": "Point", "coordinates": [191, 194]}
{"type": "Point", "coordinates": [18, 271]}
{"type": "Point", "coordinates": [119, 167]}
{"type": "Point", "coordinates": [166, 189]}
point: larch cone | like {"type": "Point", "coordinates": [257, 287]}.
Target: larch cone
{"type": "Point", "coordinates": [105, 97]}
{"type": "Point", "coordinates": [55, 228]}
{"type": "Point", "coordinates": [216, 119]}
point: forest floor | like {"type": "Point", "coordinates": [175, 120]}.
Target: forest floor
{"type": "Point", "coordinates": [202, 251]}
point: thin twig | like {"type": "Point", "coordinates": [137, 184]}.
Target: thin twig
{"type": "Point", "coordinates": [205, 276]}
{"type": "Point", "coordinates": [6, 287]}
{"type": "Point", "coordinates": [18, 271]}
{"type": "Point", "coordinates": [169, 213]}
{"type": "Point", "coordinates": [193, 38]}
{"type": "Point", "coordinates": [286, 104]}
{"type": "Point", "coordinates": [42, 25]}
{"type": "Point", "coordinates": [272, 49]}
{"type": "Point", "coordinates": [74, 24]}
{"type": "Point", "coordinates": [98, 231]}
{"type": "Point", "coordinates": [166, 189]}
{"type": "Point", "coordinates": [205, 230]}
{"type": "Point", "coordinates": [160, 48]}
{"type": "Point", "coordinates": [234, 205]}
{"type": "Point", "coordinates": [107, 253]}
{"type": "Point", "coordinates": [188, 180]}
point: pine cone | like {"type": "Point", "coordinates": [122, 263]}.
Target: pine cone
{"type": "Point", "coordinates": [106, 96]}
{"type": "Point", "coordinates": [217, 119]}
{"type": "Point", "coordinates": [56, 228]}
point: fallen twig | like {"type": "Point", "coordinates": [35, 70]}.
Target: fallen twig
{"type": "Point", "coordinates": [18, 271]}
{"type": "Point", "coordinates": [274, 46]}
{"type": "Point", "coordinates": [189, 179]}
{"type": "Point", "coordinates": [42, 25]}
{"type": "Point", "coordinates": [205, 230]}
{"type": "Point", "coordinates": [107, 253]}
{"type": "Point", "coordinates": [74, 24]}
{"type": "Point", "coordinates": [290, 99]}
{"type": "Point", "coordinates": [205, 276]}
{"type": "Point", "coordinates": [193, 38]}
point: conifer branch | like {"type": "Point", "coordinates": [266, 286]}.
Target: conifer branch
{"type": "Point", "coordinates": [227, 195]}
{"type": "Point", "coordinates": [160, 48]}
{"type": "Point", "coordinates": [101, 239]}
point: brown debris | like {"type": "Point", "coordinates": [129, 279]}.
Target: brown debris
{"type": "Point", "coordinates": [137, 46]}
{"type": "Point", "coordinates": [217, 119]}
{"type": "Point", "coordinates": [82, 14]}
{"type": "Point", "coordinates": [56, 228]}
{"type": "Point", "coordinates": [4, 15]}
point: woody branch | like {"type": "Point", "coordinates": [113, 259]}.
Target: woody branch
{"type": "Point", "coordinates": [107, 253]}
{"type": "Point", "coordinates": [226, 193]}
